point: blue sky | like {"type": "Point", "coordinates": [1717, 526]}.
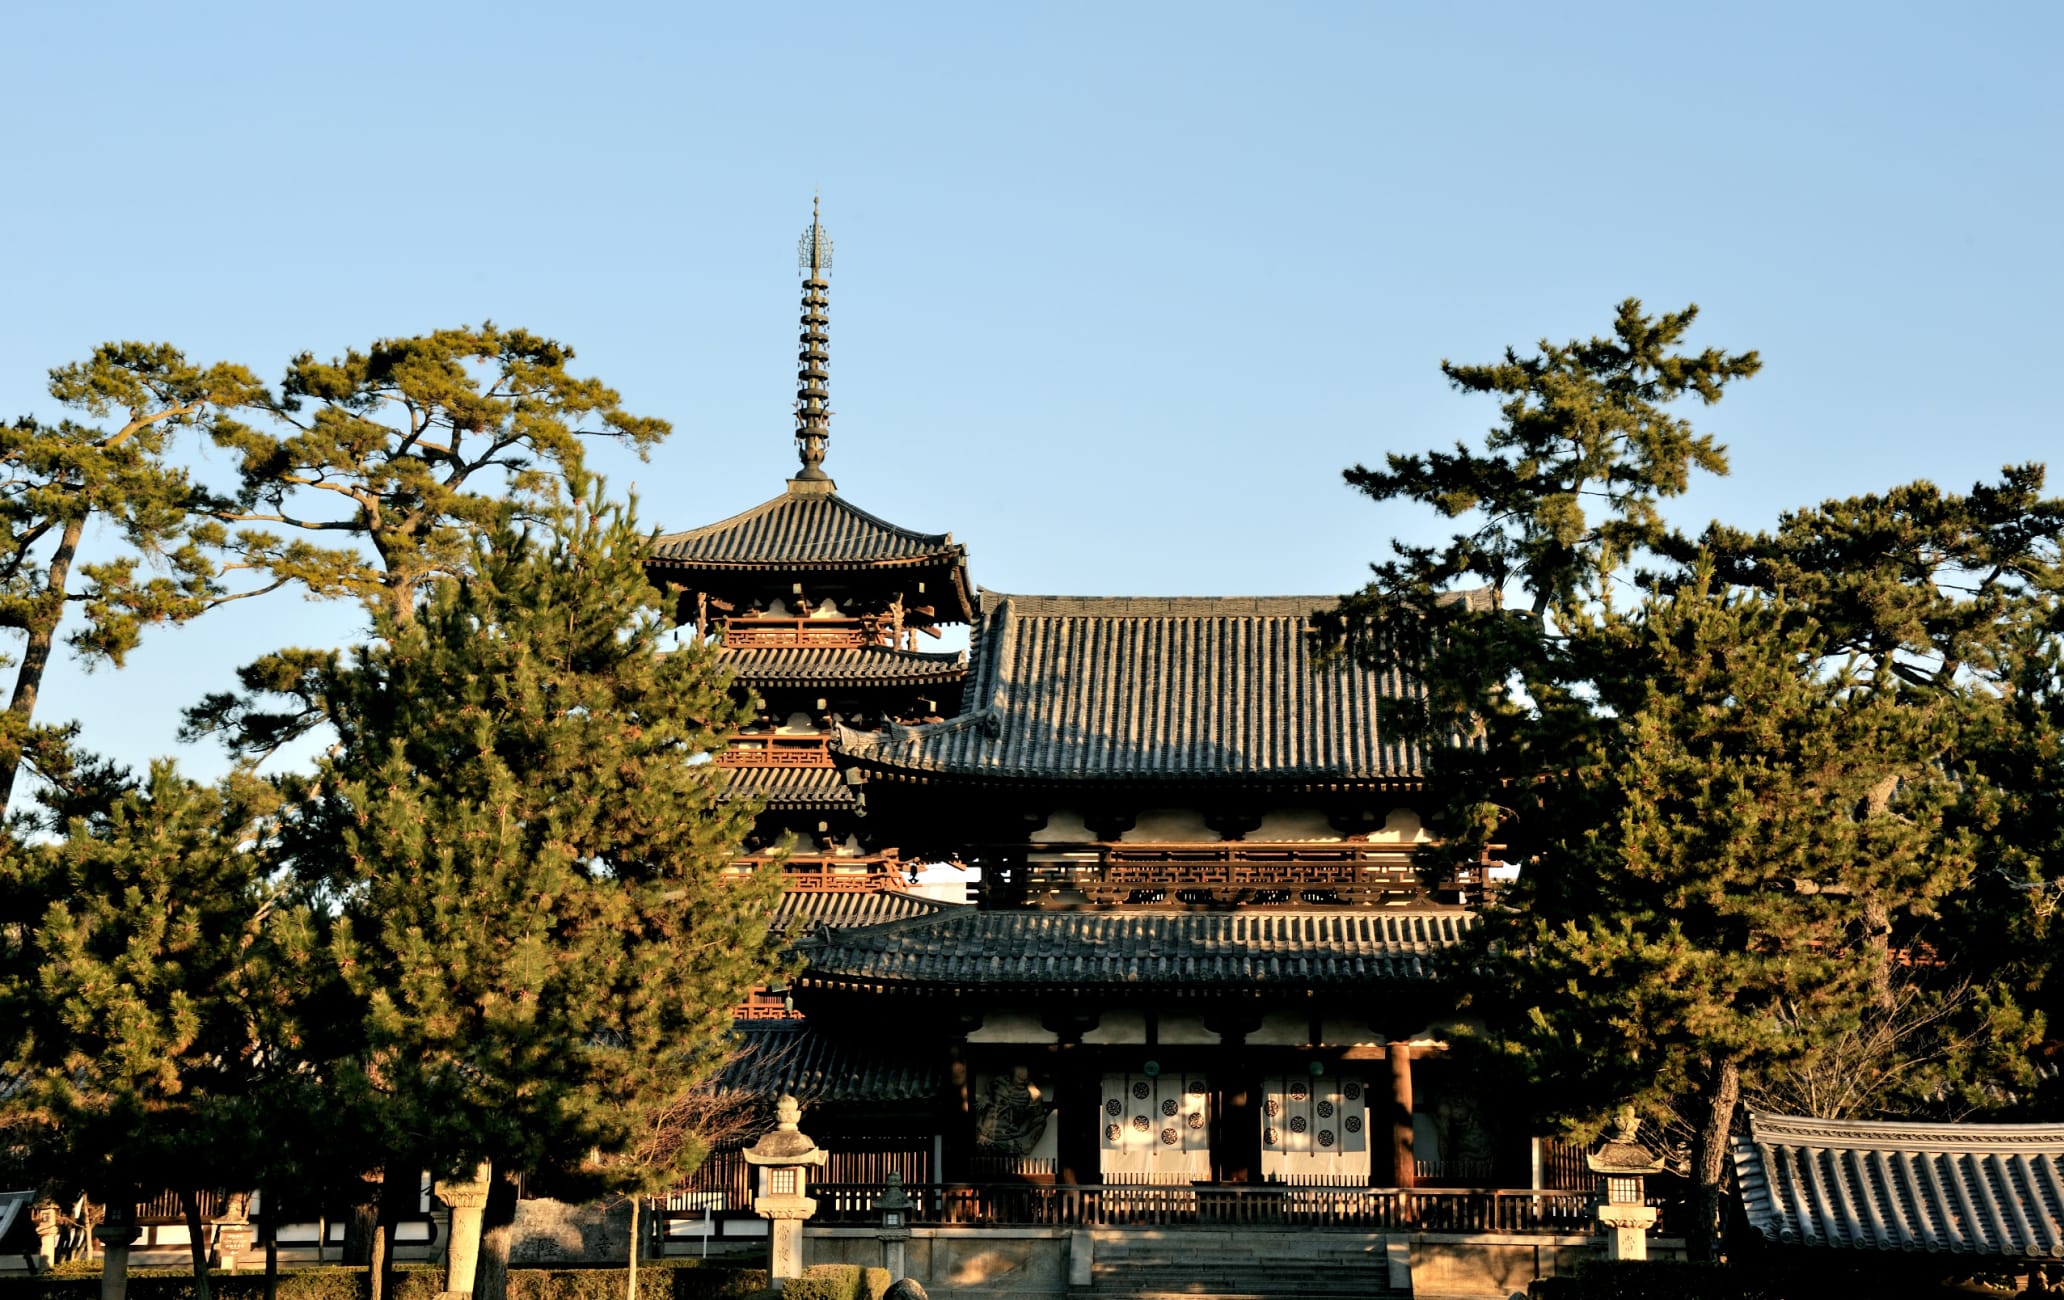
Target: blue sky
{"type": "Point", "coordinates": [1120, 288]}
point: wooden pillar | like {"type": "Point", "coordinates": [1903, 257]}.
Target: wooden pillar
{"type": "Point", "coordinates": [1236, 1099]}
{"type": "Point", "coordinates": [956, 1108]}
{"type": "Point", "coordinates": [1078, 1094]}
{"type": "Point", "coordinates": [1403, 1173]}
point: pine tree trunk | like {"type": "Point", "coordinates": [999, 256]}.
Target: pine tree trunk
{"type": "Point", "coordinates": [1702, 1238]}
{"type": "Point", "coordinates": [196, 1241]}
{"type": "Point", "coordinates": [271, 1251]}
{"type": "Point", "coordinates": [379, 1260]}
{"type": "Point", "coordinates": [35, 660]}
{"type": "Point", "coordinates": [397, 1199]}
{"type": "Point", "coordinates": [631, 1287]}
{"type": "Point", "coordinates": [497, 1234]}
{"type": "Point", "coordinates": [358, 1234]}
{"type": "Point", "coordinates": [1877, 936]}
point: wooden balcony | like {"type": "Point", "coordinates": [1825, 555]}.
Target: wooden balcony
{"type": "Point", "coordinates": [1227, 874]}
{"type": "Point", "coordinates": [777, 751]}
{"type": "Point", "coordinates": [833, 633]}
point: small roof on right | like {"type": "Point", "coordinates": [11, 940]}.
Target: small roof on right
{"type": "Point", "coordinates": [1178, 688]}
{"type": "Point", "coordinates": [1965, 1189]}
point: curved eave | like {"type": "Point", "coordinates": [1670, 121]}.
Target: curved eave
{"type": "Point", "coordinates": [1304, 782]}
{"type": "Point", "coordinates": [951, 562]}
{"type": "Point", "coordinates": [1216, 991]}
{"type": "Point", "coordinates": [941, 677]}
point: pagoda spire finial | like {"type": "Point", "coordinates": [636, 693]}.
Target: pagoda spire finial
{"type": "Point", "coordinates": [813, 395]}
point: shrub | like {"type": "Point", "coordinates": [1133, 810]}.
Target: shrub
{"type": "Point", "coordinates": [875, 1283]}
{"type": "Point", "coordinates": [675, 1279]}
{"type": "Point", "coordinates": [83, 1283]}
{"type": "Point", "coordinates": [680, 1279]}
{"type": "Point", "coordinates": [826, 1282]}
{"type": "Point", "coordinates": [1603, 1279]}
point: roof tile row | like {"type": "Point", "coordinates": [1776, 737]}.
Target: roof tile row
{"type": "Point", "coordinates": [1098, 687]}
{"type": "Point", "coordinates": [977, 949]}
{"type": "Point", "coordinates": [1968, 1189]}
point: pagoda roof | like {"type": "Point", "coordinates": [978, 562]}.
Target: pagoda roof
{"type": "Point", "coordinates": [815, 1067]}
{"type": "Point", "coordinates": [1074, 688]}
{"type": "Point", "coordinates": [789, 787]}
{"type": "Point", "coordinates": [840, 909]}
{"type": "Point", "coordinates": [1966, 1189]}
{"type": "Point", "coordinates": [984, 951]}
{"type": "Point", "coordinates": [807, 527]}
{"type": "Point", "coordinates": [874, 665]}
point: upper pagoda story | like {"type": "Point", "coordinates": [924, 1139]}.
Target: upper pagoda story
{"type": "Point", "coordinates": [813, 533]}
{"type": "Point", "coordinates": [1082, 689]}
{"type": "Point", "coordinates": [809, 552]}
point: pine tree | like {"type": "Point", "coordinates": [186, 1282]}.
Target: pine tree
{"type": "Point", "coordinates": [1696, 905]}
{"type": "Point", "coordinates": [149, 968]}
{"type": "Point", "coordinates": [1715, 808]}
{"type": "Point", "coordinates": [523, 845]}
{"type": "Point", "coordinates": [409, 448]}
{"type": "Point", "coordinates": [1953, 603]}
{"type": "Point", "coordinates": [62, 477]}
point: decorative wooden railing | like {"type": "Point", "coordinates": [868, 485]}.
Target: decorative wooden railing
{"type": "Point", "coordinates": [751, 750]}
{"type": "Point", "coordinates": [724, 1181]}
{"type": "Point", "coordinates": [1229, 872]}
{"type": "Point", "coordinates": [1097, 1205]}
{"type": "Point", "coordinates": [752, 633]}
{"type": "Point", "coordinates": [852, 875]}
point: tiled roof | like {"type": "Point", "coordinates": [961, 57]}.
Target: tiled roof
{"type": "Point", "coordinates": [789, 787]}
{"type": "Point", "coordinates": [875, 665]}
{"type": "Point", "coordinates": [1969, 1189]}
{"type": "Point", "coordinates": [800, 530]}
{"type": "Point", "coordinates": [814, 1067]}
{"type": "Point", "coordinates": [972, 949]}
{"type": "Point", "coordinates": [1080, 687]}
{"type": "Point", "coordinates": [848, 908]}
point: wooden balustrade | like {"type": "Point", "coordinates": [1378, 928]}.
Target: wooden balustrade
{"type": "Point", "coordinates": [1092, 1206]}
{"type": "Point", "coordinates": [754, 633]}
{"type": "Point", "coordinates": [751, 750]}
{"type": "Point", "coordinates": [1231, 872]}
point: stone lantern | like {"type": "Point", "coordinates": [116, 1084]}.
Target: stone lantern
{"type": "Point", "coordinates": [895, 1222]}
{"type": "Point", "coordinates": [46, 1217]}
{"type": "Point", "coordinates": [1623, 1165]}
{"type": "Point", "coordinates": [784, 1158]}
{"type": "Point", "coordinates": [116, 1233]}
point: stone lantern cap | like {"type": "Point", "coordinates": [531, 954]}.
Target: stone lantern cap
{"type": "Point", "coordinates": [1622, 1154]}
{"type": "Point", "coordinates": [893, 1196]}
{"type": "Point", "coordinates": [786, 1144]}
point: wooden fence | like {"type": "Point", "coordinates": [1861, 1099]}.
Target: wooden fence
{"type": "Point", "coordinates": [1100, 1205]}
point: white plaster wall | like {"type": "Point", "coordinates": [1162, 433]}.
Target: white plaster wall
{"type": "Point", "coordinates": [1282, 1029]}
{"type": "Point", "coordinates": [1012, 1027]}
{"type": "Point", "coordinates": [1065, 826]}
{"type": "Point", "coordinates": [1401, 827]}
{"type": "Point", "coordinates": [1172, 826]}
{"type": "Point", "coordinates": [1294, 826]}
{"type": "Point", "coordinates": [1347, 1033]}
{"type": "Point", "coordinates": [1120, 1027]}
{"type": "Point", "coordinates": [1184, 1031]}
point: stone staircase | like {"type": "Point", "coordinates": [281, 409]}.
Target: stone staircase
{"type": "Point", "coordinates": [1235, 1264]}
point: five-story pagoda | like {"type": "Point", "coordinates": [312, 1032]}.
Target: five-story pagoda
{"type": "Point", "coordinates": [818, 605]}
